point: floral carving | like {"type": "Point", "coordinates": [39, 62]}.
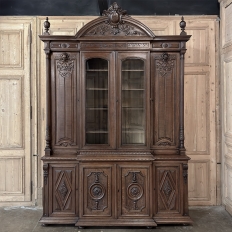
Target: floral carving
{"type": "Point", "coordinates": [65, 65]}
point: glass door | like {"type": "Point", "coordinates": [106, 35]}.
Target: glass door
{"type": "Point", "coordinates": [97, 95]}
{"type": "Point", "coordinates": [133, 113]}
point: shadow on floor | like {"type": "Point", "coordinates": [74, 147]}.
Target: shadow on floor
{"type": "Point", "coordinates": [25, 219]}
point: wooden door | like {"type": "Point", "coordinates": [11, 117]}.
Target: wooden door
{"type": "Point", "coordinates": [134, 190]}
{"type": "Point", "coordinates": [226, 101]}
{"type": "Point", "coordinates": [15, 135]}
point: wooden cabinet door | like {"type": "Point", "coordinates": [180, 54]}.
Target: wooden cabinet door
{"type": "Point", "coordinates": [96, 190]}
{"type": "Point", "coordinates": [134, 190]}
{"type": "Point", "coordinates": [168, 194]}
{"type": "Point", "coordinates": [65, 94]}
{"type": "Point", "coordinates": [63, 192]}
{"type": "Point", "coordinates": [165, 99]}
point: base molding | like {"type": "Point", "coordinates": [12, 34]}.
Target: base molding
{"type": "Point", "coordinates": [173, 220]}
{"type": "Point", "coordinates": [58, 220]}
{"type": "Point", "coordinates": [116, 222]}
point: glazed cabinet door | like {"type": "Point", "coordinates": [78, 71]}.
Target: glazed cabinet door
{"type": "Point", "coordinates": [132, 99]}
{"type": "Point", "coordinates": [134, 191]}
{"type": "Point", "coordinates": [63, 190]}
{"type": "Point", "coordinates": [165, 100]}
{"type": "Point", "coordinates": [96, 191]}
{"type": "Point", "coordinates": [98, 104]}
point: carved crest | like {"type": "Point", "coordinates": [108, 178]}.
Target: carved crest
{"type": "Point", "coordinates": [114, 14]}
{"type": "Point", "coordinates": [65, 65]}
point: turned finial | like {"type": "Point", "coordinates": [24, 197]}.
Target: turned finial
{"type": "Point", "coordinates": [182, 26]}
{"type": "Point", "coordinates": [46, 27]}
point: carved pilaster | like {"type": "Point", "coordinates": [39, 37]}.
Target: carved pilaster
{"type": "Point", "coordinates": [181, 131]}
{"type": "Point", "coordinates": [48, 99]}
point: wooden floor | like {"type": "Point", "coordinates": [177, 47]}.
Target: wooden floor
{"type": "Point", "coordinates": [25, 219]}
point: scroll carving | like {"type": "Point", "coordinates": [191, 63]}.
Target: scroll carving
{"type": "Point", "coordinates": [65, 65]}
{"type": "Point", "coordinates": [165, 64]}
{"type": "Point", "coordinates": [164, 141]}
{"type": "Point", "coordinates": [65, 142]}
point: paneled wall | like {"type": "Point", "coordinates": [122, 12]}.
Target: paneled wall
{"type": "Point", "coordinates": [201, 94]}
{"type": "Point", "coordinates": [16, 64]}
{"type": "Point", "coordinates": [226, 100]}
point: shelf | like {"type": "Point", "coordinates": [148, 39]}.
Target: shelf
{"type": "Point", "coordinates": [133, 108]}
{"type": "Point", "coordinates": [97, 89]}
{"type": "Point", "coordinates": [97, 70]}
{"type": "Point", "coordinates": [132, 70]}
{"type": "Point", "coordinates": [97, 108]}
{"type": "Point", "coordinates": [133, 132]}
{"type": "Point", "coordinates": [97, 132]}
{"type": "Point", "coordinates": [133, 89]}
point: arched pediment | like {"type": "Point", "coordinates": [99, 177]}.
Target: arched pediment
{"type": "Point", "coordinates": [114, 22]}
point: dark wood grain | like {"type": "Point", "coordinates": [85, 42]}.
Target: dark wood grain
{"type": "Point", "coordinates": [133, 171]}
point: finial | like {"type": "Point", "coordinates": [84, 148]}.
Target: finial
{"type": "Point", "coordinates": [46, 27]}
{"type": "Point", "coordinates": [182, 26]}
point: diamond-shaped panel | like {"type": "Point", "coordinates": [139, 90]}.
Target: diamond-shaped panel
{"type": "Point", "coordinates": [167, 189]}
{"type": "Point", "coordinates": [63, 189]}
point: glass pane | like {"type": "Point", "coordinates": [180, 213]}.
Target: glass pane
{"type": "Point", "coordinates": [133, 102]}
{"type": "Point", "coordinates": [96, 123]}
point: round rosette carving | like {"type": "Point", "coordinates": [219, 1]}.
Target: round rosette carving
{"type": "Point", "coordinates": [97, 191]}
{"type": "Point", "coordinates": [135, 191]}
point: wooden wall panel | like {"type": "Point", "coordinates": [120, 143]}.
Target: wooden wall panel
{"type": "Point", "coordinates": [15, 110]}
{"type": "Point", "coordinates": [196, 113]}
{"type": "Point", "coordinates": [11, 114]}
{"type": "Point", "coordinates": [226, 101]}
{"type": "Point", "coordinates": [11, 169]}
{"type": "Point", "coordinates": [199, 186]}
{"type": "Point", "coordinates": [11, 45]}
{"type": "Point", "coordinates": [200, 110]}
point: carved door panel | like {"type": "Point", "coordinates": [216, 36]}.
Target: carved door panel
{"type": "Point", "coordinates": [165, 97]}
{"type": "Point", "coordinates": [63, 199]}
{"type": "Point", "coordinates": [96, 190]}
{"type": "Point", "coordinates": [15, 123]}
{"type": "Point", "coordinates": [65, 90]}
{"type": "Point", "coordinates": [134, 191]}
{"type": "Point", "coordinates": [168, 194]}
